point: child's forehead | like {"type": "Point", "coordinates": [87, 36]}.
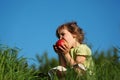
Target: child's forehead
{"type": "Point", "coordinates": [62, 30]}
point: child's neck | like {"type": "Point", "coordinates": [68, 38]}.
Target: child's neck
{"type": "Point", "coordinates": [76, 44]}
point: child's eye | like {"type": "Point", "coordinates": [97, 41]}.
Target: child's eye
{"type": "Point", "coordinates": [62, 34]}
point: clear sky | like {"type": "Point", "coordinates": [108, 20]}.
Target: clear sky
{"type": "Point", "coordinates": [31, 24]}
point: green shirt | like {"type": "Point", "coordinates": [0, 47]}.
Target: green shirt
{"type": "Point", "coordinates": [83, 50]}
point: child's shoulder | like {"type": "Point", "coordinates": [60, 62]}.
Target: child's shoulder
{"type": "Point", "coordinates": [83, 46]}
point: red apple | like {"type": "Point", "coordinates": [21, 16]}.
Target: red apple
{"type": "Point", "coordinates": [60, 42]}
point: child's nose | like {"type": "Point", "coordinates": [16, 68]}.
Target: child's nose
{"type": "Point", "coordinates": [60, 37]}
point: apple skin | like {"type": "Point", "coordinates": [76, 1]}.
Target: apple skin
{"type": "Point", "coordinates": [60, 42]}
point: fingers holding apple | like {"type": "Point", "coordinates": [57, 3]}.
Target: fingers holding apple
{"type": "Point", "coordinates": [61, 46]}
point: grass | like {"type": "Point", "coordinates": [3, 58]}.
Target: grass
{"type": "Point", "coordinates": [107, 66]}
{"type": "Point", "coordinates": [13, 68]}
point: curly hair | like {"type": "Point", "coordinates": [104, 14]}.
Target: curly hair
{"type": "Point", "coordinates": [73, 28]}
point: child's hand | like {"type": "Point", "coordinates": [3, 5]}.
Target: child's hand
{"type": "Point", "coordinates": [56, 49]}
{"type": "Point", "coordinates": [63, 49]}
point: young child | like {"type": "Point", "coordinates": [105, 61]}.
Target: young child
{"type": "Point", "coordinates": [74, 53]}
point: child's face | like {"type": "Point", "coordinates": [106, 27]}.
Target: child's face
{"type": "Point", "coordinates": [66, 35]}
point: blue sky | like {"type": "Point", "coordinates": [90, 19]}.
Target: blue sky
{"type": "Point", "coordinates": [31, 24]}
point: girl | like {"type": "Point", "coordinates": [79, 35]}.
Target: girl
{"type": "Point", "coordinates": [74, 54]}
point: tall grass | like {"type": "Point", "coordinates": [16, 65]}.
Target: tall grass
{"type": "Point", "coordinates": [12, 67]}
{"type": "Point", "coordinates": [107, 67]}
{"type": "Point", "coordinates": [107, 64]}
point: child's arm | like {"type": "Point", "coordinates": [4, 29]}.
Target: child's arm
{"type": "Point", "coordinates": [77, 64]}
{"type": "Point", "coordinates": [62, 60]}
{"type": "Point", "coordinates": [70, 60]}
{"type": "Point", "coordinates": [79, 59]}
